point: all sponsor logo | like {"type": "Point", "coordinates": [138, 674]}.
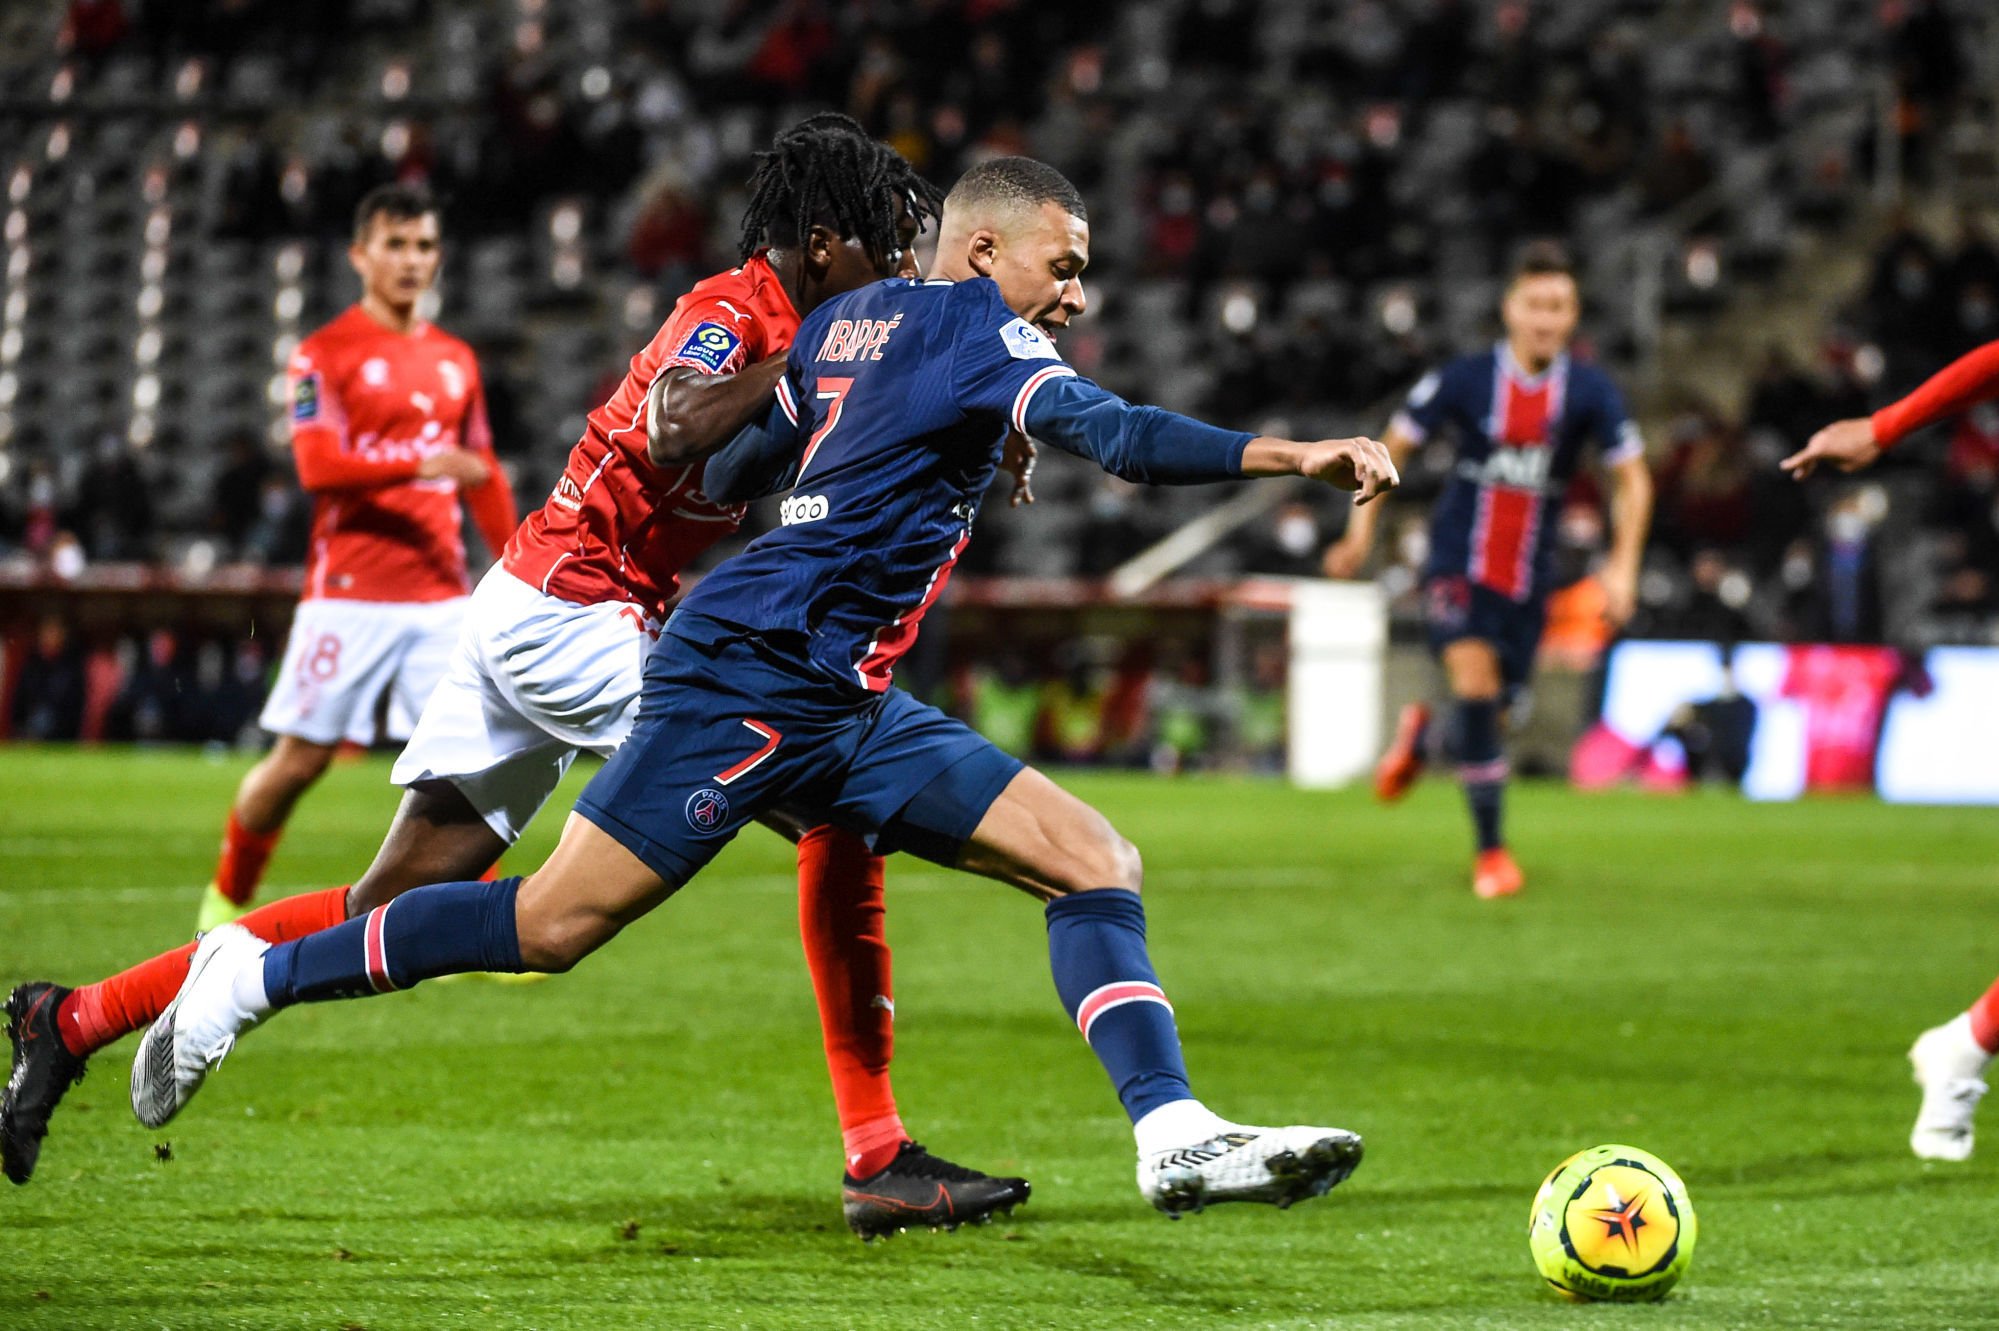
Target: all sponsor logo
{"type": "Point", "coordinates": [802, 508]}
{"type": "Point", "coordinates": [1518, 468]}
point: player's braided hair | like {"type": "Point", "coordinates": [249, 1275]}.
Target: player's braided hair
{"type": "Point", "coordinates": [826, 170]}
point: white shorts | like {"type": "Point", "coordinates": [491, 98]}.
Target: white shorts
{"type": "Point", "coordinates": [342, 656]}
{"type": "Point", "coordinates": [533, 680]}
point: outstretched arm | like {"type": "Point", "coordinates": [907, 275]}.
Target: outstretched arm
{"type": "Point", "coordinates": [1153, 446]}
{"type": "Point", "coordinates": [1856, 443]}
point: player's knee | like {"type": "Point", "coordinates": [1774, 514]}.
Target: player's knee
{"type": "Point", "coordinates": [1475, 679]}
{"type": "Point", "coordinates": [554, 943]}
{"type": "Point", "coordinates": [1128, 867]}
{"type": "Point", "coordinates": [1109, 861]}
{"type": "Point", "coordinates": [551, 949]}
{"type": "Point", "coordinates": [1476, 690]}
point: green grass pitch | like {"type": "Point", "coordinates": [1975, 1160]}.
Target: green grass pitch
{"type": "Point", "coordinates": [649, 1142]}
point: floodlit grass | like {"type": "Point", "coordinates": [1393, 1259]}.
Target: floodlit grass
{"type": "Point", "coordinates": [649, 1142]}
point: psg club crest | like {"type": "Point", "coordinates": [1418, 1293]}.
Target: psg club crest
{"type": "Point", "coordinates": [707, 810]}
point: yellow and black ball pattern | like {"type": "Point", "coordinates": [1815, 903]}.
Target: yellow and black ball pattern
{"type": "Point", "coordinates": [1612, 1223]}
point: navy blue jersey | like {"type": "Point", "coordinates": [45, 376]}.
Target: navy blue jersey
{"type": "Point", "coordinates": [1520, 439]}
{"type": "Point", "coordinates": [892, 413]}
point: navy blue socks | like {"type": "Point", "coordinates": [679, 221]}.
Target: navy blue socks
{"type": "Point", "coordinates": [1472, 742]}
{"type": "Point", "coordinates": [1096, 948]}
{"type": "Point", "coordinates": [431, 931]}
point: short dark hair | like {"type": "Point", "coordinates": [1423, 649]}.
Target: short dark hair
{"type": "Point", "coordinates": [398, 203]}
{"type": "Point", "coordinates": [1542, 258]}
{"type": "Point", "coordinates": [1016, 182]}
{"type": "Point", "coordinates": [826, 171]}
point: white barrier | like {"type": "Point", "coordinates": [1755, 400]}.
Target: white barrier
{"type": "Point", "coordinates": [1339, 640]}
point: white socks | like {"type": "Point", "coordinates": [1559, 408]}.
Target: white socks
{"type": "Point", "coordinates": [1962, 1046]}
{"type": "Point", "coordinates": [1181, 1123]}
{"type": "Point", "coordinates": [247, 990]}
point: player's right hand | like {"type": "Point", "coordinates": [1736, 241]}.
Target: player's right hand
{"type": "Point", "coordinates": [1848, 445]}
{"type": "Point", "coordinates": [454, 464]}
{"type": "Point", "coordinates": [1361, 465]}
{"type": "Point", "coordinates": [1017, 460]}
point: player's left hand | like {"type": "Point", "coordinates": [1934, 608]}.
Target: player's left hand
{"type": "Point", "coordinates": [1017, 461]}
{"type": "Point", "coordinates": [1620, 594]}
{"type": "Point", "coordinates": [1848, 445]}
{"type": "Point", "coordinates": [1361, 465]}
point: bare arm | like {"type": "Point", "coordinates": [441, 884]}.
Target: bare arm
{"type": "Point", "coordinates": [690, 414]}
{"type": "Point", "coordinates": [1630, 521]}
{"type": "Point", "coordinates": [1349, 554]}
{"type": "Point", "coordinates": [1359, 465]}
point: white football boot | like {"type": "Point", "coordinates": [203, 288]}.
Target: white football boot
{"type": "Point", "coordinates": [1244, 1164]}
{"type": "Point", "coordinates": [1948, 1065]}
{"type": "Point", "coordinates": [199, 1028]}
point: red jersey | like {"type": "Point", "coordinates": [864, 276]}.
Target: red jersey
{"type": "Point", "coordinates": [617, 528]}
{"type": "Point", "coordinates": [368, 404]}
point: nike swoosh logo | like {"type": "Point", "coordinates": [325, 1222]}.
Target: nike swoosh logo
{"type": "Point", "coordinates": [900, 1205]}
{"type": "Point", "coordinates": [27, 1022]}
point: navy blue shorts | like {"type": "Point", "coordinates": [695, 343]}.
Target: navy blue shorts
{"type": "Point", "coordinates": [1455, 608]}
{"type": "Point", "coordinates": [728, 730]}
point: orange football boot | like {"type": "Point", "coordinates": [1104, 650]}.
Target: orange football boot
{"type": "Point", "coordinates": [1403, 763]}
{"type": "Point", "coordinates": [1496, 875]}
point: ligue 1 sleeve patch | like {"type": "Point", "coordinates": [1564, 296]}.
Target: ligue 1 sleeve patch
{"type": "Point", "coordinates": [305, 398]}
{"type": "Point", "coordinates": [1425, 389]}
{"type": "Point", "coordinates": [1026, 342]}
{"type": "Point", "coordinates": [709, 346]}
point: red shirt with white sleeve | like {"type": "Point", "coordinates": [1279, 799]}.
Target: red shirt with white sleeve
{"type": "Point", "coordinates": [617, 528]}
{"type": "Point", "coordinates": [368, 404]}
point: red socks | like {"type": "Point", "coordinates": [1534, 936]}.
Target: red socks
{"type": "Point", "coordinates": [1985, 1020]}
{"type": "Point", "coordinates": [846, 948]}
{"type": "Point", "coordinates": [244, 855]}
{"type": "Point", "coordinates": [97, 1014]}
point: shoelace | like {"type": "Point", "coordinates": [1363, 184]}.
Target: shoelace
{"type": "Point", "coordinates": [916, 1162]}
{"type": "Point", "coordinates": [1212, 1149]}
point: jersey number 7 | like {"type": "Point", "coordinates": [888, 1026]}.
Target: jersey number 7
{"type": "Point", "coordinates": [835, 392]}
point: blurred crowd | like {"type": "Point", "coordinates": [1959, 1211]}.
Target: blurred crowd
{"type": "Point", "coordinates": [1297, 205]}
{"type": "Point", "coordinates": [1907, 553]}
